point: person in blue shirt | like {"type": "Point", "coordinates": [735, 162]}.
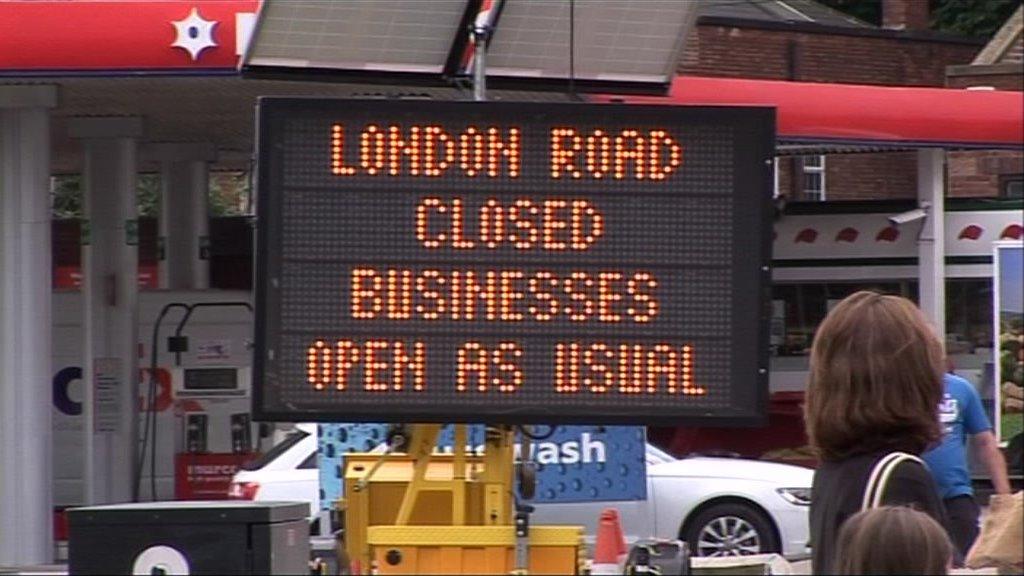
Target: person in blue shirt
{"type": "Point", "coordinates": [962, 416]}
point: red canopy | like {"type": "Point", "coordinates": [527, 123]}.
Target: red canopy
{"type": "Point", "coordinates": [859, 114]}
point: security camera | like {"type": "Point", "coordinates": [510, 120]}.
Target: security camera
{"type": "Point", "coordinates": [909, 216]}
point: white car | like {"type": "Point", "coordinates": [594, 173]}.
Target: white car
{"type": "Point", "coordinates": [720, 506]}
{"type": "Point", "coordinates": [288, 471]}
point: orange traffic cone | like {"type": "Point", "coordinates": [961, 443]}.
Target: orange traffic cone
{"type": "Point", "coordinates": [610, 548]}
{"type": "Point", "coordinates": [620, 539]}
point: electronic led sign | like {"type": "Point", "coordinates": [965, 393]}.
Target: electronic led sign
{"type": "Point", "coordinates": [512, 262]}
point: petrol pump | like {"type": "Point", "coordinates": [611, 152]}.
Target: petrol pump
{"type": "Point", "coordinates": [214, 433]}
{"type": "Point", "coordinates": [208, 361]}
{"type": "Point", "coordinates": [224, 425]}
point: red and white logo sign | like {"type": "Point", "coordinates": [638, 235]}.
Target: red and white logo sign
{"type": "Point", "coordinates": [194, 34]}
{"type": "Point", "coordinates": [118, 35]}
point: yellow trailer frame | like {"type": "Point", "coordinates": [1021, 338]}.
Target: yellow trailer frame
{"type": "Point", "coordinates": [419, 512]}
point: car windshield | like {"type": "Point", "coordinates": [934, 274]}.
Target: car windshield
{"type": "Point", "coordinates": [657, 456]}
{"type": "Point", "coordinates": [293, 438]}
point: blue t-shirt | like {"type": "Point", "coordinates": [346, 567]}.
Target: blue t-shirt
{"type": "Point", "coordinates": [960, 414]}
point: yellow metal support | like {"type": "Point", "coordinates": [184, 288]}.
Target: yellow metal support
{"type": "Point", "coordinates": [497, 476]}
{"type": "Point", "coordinates": [421, 446]}
{"type": "Point", "coordinates": [459, 476]}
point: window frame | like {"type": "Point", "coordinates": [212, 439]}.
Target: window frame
{"type": "Point", "coordinates": [817, 170]}
{"type": "Point", "coordinates": [1005, 181]}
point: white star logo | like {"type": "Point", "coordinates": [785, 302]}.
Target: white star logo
{"type": "Point", "coordinates": [194, 34]}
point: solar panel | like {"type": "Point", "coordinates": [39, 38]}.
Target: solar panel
{"type": "Point", "coordinates": [601, 45]}
{"type": "Point", "coordinates": [393, 36]}
{"type": "Point", "coordinates": [632, 42]}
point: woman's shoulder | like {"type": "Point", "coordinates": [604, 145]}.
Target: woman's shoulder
{"type": "Point", "coordinates": [851, 463]}
{"type": "Point", "coordinates": [912, 484]}
{"type": "Point", "coordinates": [845, 481]}
{"type": "Point", "coordinates": [912, 470]}
{"type": "Point", "coordinates": [855, 470]}
{"type": "Point", "coordinates": [848, 475]}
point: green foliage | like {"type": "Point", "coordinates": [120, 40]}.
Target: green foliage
{"type": "Point", "coordinates": [68, 202]}
{"type": "Point", "coordinates": [66, 197]}
{"type": "Point", "coordinates": [869, 11]}
{"type": "Point", "coordinates": [1012, 425]}
{"type": "Point", "coordinates": [148, 195]}
{"type": "Point", "coordinates": [229, 193]}
{"type": "Point", "coordinates": [975, 18]}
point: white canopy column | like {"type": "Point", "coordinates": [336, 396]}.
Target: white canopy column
{"type": "Point", "coordinates": [931, 244]}
{"type": "Point", "coordinates": [184, 214]}
{"type": "Point", "coordinates": [26, 435]}
{"type": "Point", "coordinates": [110, 297]}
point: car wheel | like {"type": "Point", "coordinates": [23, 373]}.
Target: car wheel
{"type": "Point", "coordinates": [730, 530]}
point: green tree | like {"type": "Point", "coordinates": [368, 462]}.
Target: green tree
{"type": "Point", "coordinates": [148, 194]}
{"type": "Point", "coordinates": [229, 193]}
{"type": "Point", "coordinates": [869, 11]}
{"type": "Point", "coordinates": [66, 196]}
{"type": "Point", "coordinates": [978, 18]}
{"type": "Point", "coordinates": [975, 18]}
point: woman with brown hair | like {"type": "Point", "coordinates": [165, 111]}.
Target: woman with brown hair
{"type": "Point", "coordinates": [893, 540]}
{"type": "Point", "coordinates": [875, 381]}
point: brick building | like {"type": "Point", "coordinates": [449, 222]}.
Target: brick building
{"type": "Point", "coordinates": [802, 40]}
{"type": "Point", "coordinates": [1000, 65]}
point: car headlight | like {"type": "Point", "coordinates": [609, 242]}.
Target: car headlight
{"type": "Point", "coordinates": [797, 496]}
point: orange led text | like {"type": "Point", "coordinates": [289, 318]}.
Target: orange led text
{"type": "Point", "coordinates": [481, 368]}
{"type": "Point", "coordinates": [427, 151]}
{"type": "Point", "coordinates": [601, 368]}
{"type": "Point", "coordinates": [505, 295]}
{"type": "Point", "coordinates": [377, 365]}
{"type": "Point", "coordinates": [629, 153]}
{"type": "Point", "coordinates": [551, 224]}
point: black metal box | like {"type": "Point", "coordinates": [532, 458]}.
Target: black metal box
{"type": "Point", "coordinates": [222, 537]}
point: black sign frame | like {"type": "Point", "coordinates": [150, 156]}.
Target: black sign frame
{"type": "Point", "coordinates": [752, 164]}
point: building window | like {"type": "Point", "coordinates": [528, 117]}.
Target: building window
{"type": "Point", "coordinates": [813, 178]}
{"type": "Point", "coordinates": [1012, 186]}
{"type": "Point", "coordinates": [798, 309]}
{"type": "Point", "coordinates": [969, 320]}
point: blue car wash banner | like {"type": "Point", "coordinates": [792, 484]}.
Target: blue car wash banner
{"type": "Point", "coordinates": [574, 463]}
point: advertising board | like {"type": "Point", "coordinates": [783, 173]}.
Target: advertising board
{"type": "Point", "coordinates": [1008, 267]}
{"type": "Point", "coordinates": [512, 262]}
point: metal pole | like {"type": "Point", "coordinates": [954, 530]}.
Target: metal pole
{"type": "Point", "coordinates": [931, 244]}
{"type": "Point", "coordinates": [479, 34]}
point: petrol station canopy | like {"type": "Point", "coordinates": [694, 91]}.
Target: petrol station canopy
{"type": "Point", "coordinates": [848, 117]}
{"type": "Point", "coordinates": [109, 61]}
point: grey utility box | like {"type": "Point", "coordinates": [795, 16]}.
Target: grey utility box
{"type": "Point", "coordinates": [217, 537]}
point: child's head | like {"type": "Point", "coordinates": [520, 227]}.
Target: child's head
{"type": "Point", "coordinates": [893, 540]}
